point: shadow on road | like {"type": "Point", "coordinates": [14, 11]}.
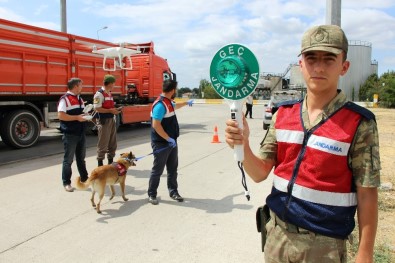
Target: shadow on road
{"type": "Point", "coordinates": [212, 206]}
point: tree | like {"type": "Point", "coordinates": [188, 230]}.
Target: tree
{"type": "Point", "coordinates": [208, 90]}
{"type": "Point", "coordinates": [383, 86]}
{"type": "Point", "coordinates": [368, 88]}
{"type": "Point", "coordinates": [196, 93]}
{"type": "Point", "coordinates": [182, 91]}
{"type": "Point", "coordinates": [387, 90]}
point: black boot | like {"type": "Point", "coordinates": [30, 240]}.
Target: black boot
{"type": "Point", "coordinates": [99, 162]}
{"type": "Point", "coordinates": [110, 161]}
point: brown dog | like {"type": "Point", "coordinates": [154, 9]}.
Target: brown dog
{"type": "Point", "coordinates": [107, 174]}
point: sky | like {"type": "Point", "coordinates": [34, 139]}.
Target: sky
{"type": "Point", "coordinates": [188, 33]}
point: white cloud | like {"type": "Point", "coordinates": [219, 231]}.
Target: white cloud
{"type": "Point", "coordinates": [6, 13]}
{"type": "Point", "coordinates": [376, 4]}
{"type": "Point", "coordinates": [370, 25]}
{"type": "Point", "coordinates": [189, 33]}
{"type": "Point", "coordinates": [40, 10]}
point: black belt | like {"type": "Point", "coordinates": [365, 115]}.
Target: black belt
{"type": "Point", "coordinates": [289, 227]}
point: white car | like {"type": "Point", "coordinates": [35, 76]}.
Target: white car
{"type": "Point", "coordinates": [277, 98]}
{"type": "Point", "coordinates": [267, 115]}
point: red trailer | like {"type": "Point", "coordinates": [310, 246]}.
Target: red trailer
{"type": "Point", "coordinates": [36, 63]}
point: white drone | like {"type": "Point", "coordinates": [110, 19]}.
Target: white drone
{"type": "Point", "coordinates": [88, 112]}
{"type": "Point", "coordinates": [117, 54]}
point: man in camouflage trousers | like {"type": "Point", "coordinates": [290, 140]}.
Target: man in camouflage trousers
{"type": "Point", "coordinates": [325, 154]}
{"type": "Point", "coordinates": [106, 112]}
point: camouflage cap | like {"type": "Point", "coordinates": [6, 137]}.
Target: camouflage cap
{"type": "Point", "coordinates": [330, 38]}
{"type": "Point", "coordinates": [109, 78]}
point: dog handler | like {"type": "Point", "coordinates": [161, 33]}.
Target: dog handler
{"type": "Point", "coordinates": [72, 125]}
{"type": "Point", "coordinates": [325, 154]}
{"type": "Point", "coordinates": [164, 134]}
{"type": "Point", "coordinates": [103, 103]}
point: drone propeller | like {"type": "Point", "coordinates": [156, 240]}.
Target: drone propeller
{"type": "Point", "coordinates": [88, 108]}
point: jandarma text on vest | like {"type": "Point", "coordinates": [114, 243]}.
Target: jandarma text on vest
{"type": "Point", "coordinates": [329, 147]}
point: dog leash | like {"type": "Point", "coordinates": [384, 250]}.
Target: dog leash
{"type": "Point", "coordinates": [156, 151]}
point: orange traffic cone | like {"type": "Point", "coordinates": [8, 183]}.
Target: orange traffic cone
{"type": "Point", "coordinates": [215, 136]}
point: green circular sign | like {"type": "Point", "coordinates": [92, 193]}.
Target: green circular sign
{"type": "Point", "coordinates": [234, 72]}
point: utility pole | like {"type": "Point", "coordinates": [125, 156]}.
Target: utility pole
{"type": "Point", "coordinates": [63, 16]}
{"type": "Point", "coordinates": [333, 12]}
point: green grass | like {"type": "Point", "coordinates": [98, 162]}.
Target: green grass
{"type": "Point", "coordinates": [382, 253]}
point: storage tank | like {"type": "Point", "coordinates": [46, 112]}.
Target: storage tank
{"type": "Point", "coordinates": [359, 55]}
{"type": "Point", "coordinates": [361, 67]}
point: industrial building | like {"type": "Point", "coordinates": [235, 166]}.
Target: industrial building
{"type": "Point", "coordinates": [359, 55]}
{"type": "Point", "coordinates": [361, 67]}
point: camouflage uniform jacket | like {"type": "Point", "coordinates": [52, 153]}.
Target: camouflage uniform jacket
{"type": "Point", "coordinates": [364, 158]}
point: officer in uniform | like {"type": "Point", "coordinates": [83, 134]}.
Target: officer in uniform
{"type": "Point", "coordinates": [325, 154]}
{"type": "Point", "coordinates": [103, 103]}
{"type": "Point", "coordinates": [72, 125]}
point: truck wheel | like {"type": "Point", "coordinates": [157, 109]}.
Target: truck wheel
{"type": "Point", "coordinates": [20, 129]}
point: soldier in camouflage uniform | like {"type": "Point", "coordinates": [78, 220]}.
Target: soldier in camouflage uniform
{"type": "Point", "coordinates": [325, 154]}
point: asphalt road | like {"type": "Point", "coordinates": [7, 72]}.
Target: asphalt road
{"type": "Point", "coordinates": [40, 222]}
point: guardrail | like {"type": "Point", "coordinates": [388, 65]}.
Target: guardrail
{"type": "Point", "coordinates": [215, 101]}
{"type": "Point", "coordinates": [366, 104]}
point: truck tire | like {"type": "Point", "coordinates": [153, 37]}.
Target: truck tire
{"type": "Point", "coordinates": [20, 129]}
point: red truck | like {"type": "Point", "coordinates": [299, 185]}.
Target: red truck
{"type": "Point", "coordinates": [36, 63]}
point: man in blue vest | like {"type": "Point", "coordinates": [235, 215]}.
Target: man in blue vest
{"type": "Point", "coordinates": [325, 154]}
{"type": "Point", "coordinates": [164, 134]}
{"type": "Point", "coordinates": [72, 125]}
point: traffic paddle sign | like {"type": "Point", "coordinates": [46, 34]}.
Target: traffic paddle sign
{"type": "Point", "coordinates": [234, 72]}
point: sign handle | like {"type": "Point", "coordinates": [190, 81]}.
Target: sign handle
{"type": "Point", "coordinates": [236, 107]}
